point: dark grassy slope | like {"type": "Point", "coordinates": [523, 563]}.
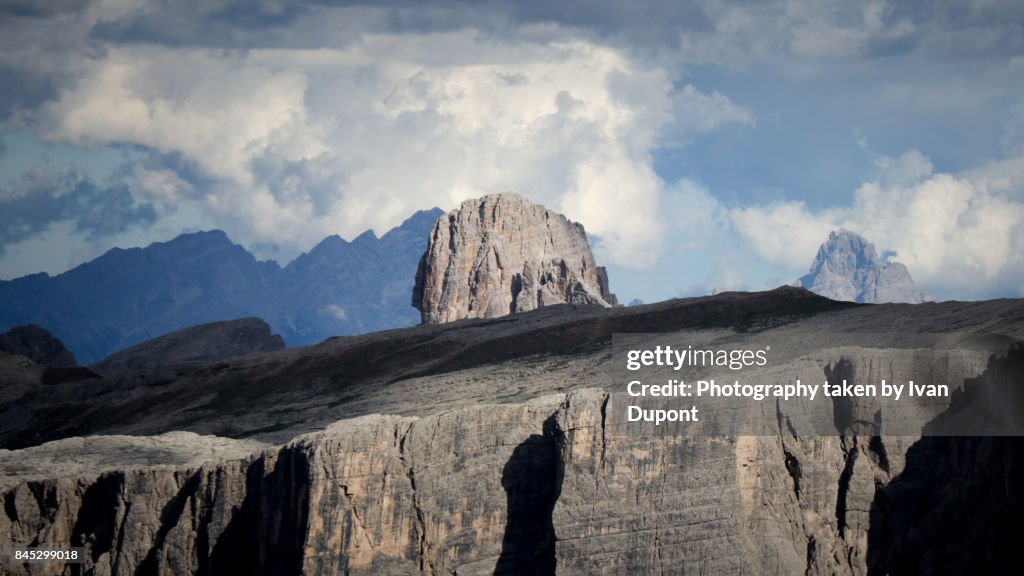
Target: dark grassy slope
{"type": "Point", "coordinates": [278, 394]}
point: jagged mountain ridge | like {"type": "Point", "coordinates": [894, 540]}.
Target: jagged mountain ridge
{"type": "Point", "coordinates": [125, 297]}
{"type": "Point", "coordinates": [848, 268]}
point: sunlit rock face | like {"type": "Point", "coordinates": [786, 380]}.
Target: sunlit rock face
{"type": "Point", "coordinates": [502, 254]}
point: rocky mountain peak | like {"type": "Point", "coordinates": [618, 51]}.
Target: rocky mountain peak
{"type": "Point", "coordinates": [37, 344]}
{"type": "Point", "coordinates": [848, 268]}
{"type": "Point", "coordinates": [502, 254]}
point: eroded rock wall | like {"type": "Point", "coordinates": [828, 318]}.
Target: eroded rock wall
{"type": "Point", "coordinates": [559, 484]}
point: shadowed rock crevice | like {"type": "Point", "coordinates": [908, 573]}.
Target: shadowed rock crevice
{"type": "Point", "coordinates": [842, 407]}
{"type": "Point", "coordinates": [956, 507]}
{"type": "Point", "coordinates": [243, 530]}
{"type": "Point", "coordinates": [169, 518]}
{"type": "Point", "coordinates": [850, 451]}
{"type": "Point", "coordinates": [266, 533]}
{"type": "Point", "coordinates": [97, 517]}
{"type": "Point", "coordinates": [532, 480]}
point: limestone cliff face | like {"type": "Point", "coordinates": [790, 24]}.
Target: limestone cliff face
{"type": "Point", "coordinates": [502, 254]}
{"type": "Point", "coordinates": [556, 485]}
{"type": "Point", "coordinates": [473, 477]}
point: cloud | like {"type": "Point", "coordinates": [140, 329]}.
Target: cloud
{"type": "Point", "coordinates": [696, 113]}
{"type": "Point", "coordinates": [785, 234]}
{"type": "Point", "coordinates": [288, 146]}
{"type": "Point", "coordinates": [1013, 130]}
{"type": "Point", "coordinates": [94, 209]}
{"type": "Point", "coordinates": [285, 122]}
{"type": "Point", "coordinates": [870, 28]}
{"type": "Point", "coordinates": [335, 311]}
{"type": "Point", "coordinates": [217, 111]}
{"type": "Point", "coordinates": [911, 167]}
{"type": "Point", "coordinates": [958, 234]}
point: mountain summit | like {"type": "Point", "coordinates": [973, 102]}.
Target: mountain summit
{"type": "Point", "coordinates": [848, 268]}
{"type": "Point", "coordinates": [502, 254]}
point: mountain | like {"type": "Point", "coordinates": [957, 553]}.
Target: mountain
{"type": "Point", "coordinates": [482, 447]}
{"type": "Point", "coordinates": [38, 345]}
{"type": "Point", "coordinates": [128, 296]}
{"type": "Point", "coordinates": [848, 268]}
{"type": "Point", "coordinates": [202, 343]}
{"type": "Point", "coordinates": [341, 288]}
{"type": "Point", "coordinates": [502, 254]}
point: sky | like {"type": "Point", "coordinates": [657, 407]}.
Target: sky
{"type": "Point", "coordinates": [703, 145]}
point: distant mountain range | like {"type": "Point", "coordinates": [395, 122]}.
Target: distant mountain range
{"type": "Point", "coordinates": [128, 296]}
{"type": "Point", "coordinates": [848, 268]}
{"type": "Point", "coordinates": [338, 288]}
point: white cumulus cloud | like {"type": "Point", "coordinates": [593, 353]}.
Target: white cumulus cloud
{"type": "Point", "coordinates": [295, 144]}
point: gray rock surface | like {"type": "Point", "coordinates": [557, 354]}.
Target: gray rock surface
{"type": "Point", "coordinates": [503, 254]}
{"type": "Point", "coordinates": [848, 268]}
{"type": "Point", "coordinates": [37, 344]}
{"type": "Point", "coordinates": [500, 454]}
{"type": "Point", "coordinates": [557, 484]}
{"type": "Point", "coordinates": [91, 456]}
{"type": "Point", "coordinates": [422, 370]}
{"type": "Point", "coordinates": [202, 343]}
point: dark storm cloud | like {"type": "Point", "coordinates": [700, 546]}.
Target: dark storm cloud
{"type": "Point", "coordinates": [96, 210]}
{"type": "Point", "coordinates": [178, 164]}
{"type": "Point", "coordinates": [35, 9]}
{"type": "Point", "coordinates": [244, 24]}
{"type": "Point", "coordinates": [228, 24]}
{"type": "Point", "coordinates": [23, 90]}
{"type": "Point", "coordinates": [315, 181]}
{"type": "Point", "coordinates": [640, 22]}
{"type": "Point", "coordinates": [965, 28]}
{"type": "Point", "coordinates": [960, 28]}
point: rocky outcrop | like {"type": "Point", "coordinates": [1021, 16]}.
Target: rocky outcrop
{"type": "Point", "coordinates": [848, 268]}
{"type": "Point", "coordinates": [503, 254]}
{"type": "Point", "coordinates": [37, 344]}
{"type": "Point", "coordinates": [30, 356]}
{"type": "Point", "coordinates": [202, 343]}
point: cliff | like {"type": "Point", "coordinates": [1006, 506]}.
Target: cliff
{"type": "Point", "coordinates": [554, 485]}
{"type": "Point", "coordinates": [500, 456]}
